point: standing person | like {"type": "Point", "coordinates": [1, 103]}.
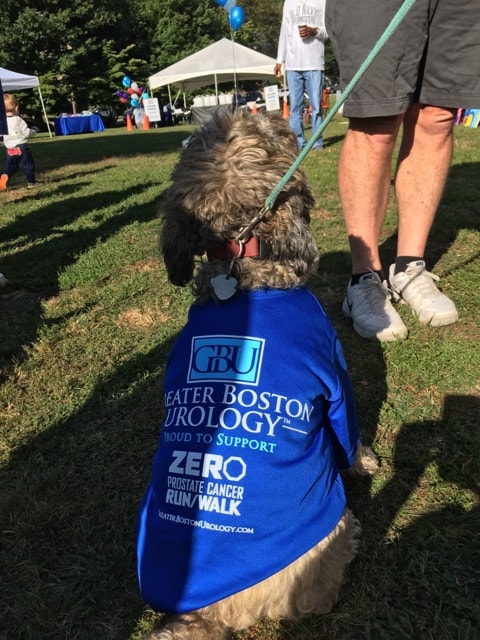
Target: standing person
{"type": "Point", "coordinates": [3, 131]}
{"type": "Point", "coordinates": [3, 117]}
{"type": "Point", "coordinates": [427, 69]}
{"type": "Point", "coordinates": [16, 145]}
{"type": "Point", "coordinates": [301, 49]}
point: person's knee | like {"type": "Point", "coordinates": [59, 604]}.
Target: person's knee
{"type": "Point", "coordinates": [378, 134]}
{"type": "Point", "coordinates": [382, 125]}
{"type": "Point", "coordinates": [434, 121]}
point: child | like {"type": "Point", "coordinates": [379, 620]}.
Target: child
{"type": "Point", "coordinates": [16, 144]}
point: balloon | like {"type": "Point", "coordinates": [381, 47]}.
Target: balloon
{"type": "Point", "coordinates": [221, 3]}
{"type": "Point", "coordinates": [134, 86]}
{"type": "Point", "coordinates": [236, 17]}
{"type": "Point", "coordinates": [123, 100]}
{"type": "Point", "coordinates": [126, 81]}
{"type": "Point", "coordinates": [229, 4]}
{"type": "Point", "coordinates": [146, 96]}
{"type": "Point", "coordinates": [134, 102]}
{"type": "Point", "coordinates": [130, 91]}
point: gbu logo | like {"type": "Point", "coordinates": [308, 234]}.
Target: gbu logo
{"type": "Point", "coordinates": [226, 358]}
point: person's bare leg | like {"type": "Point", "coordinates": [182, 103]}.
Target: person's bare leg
{"type": "Point", "coordinates": [364, 174]}
{"type": "Point", "coordinates": [423, 163]}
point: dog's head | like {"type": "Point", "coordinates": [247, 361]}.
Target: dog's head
{"type": "Point", "coordinates": [225, 173]}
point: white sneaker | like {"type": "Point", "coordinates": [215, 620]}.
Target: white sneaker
{"type": "Point", "coordinates": [368, 304]}
{"type": "Point", "coordinates": [416, 286]}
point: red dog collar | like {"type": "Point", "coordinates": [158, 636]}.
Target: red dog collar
{"type": "Point", "coordinates": [231, 249]}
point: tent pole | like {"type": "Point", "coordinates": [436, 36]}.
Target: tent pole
{"type": "Point", "coordinates": [44, 112]}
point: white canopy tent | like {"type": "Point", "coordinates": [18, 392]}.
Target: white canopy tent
{"type": "Point", "coordinates": [222, 61]}
{"type": "Point", "coordinates": [12, 81]}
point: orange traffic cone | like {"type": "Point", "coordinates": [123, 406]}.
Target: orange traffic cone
{"type": "Point", "coordinates": [254, 109]}
{"type": "Point", "coordinates": [285, 112]}
{"type": "Point", "coordinates": [146, 122]}
{"type": "Point", "coordinates": [129, 123]}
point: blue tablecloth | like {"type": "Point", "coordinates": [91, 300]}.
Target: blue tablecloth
{"type": "Point", "coordinates": [67, 125]}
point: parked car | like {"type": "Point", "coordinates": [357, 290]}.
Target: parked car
{"type": "Point", "coordinates": [253, 96]}
{"type": "Point", "coordinates": [250, 96]}
{"type": "Point", "coordinates": [107, 114]}
{"type": "Point", "coordinates": [239, 100]}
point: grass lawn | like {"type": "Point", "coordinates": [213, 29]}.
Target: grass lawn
{"type": "Point", "coordinates": [86, 323]}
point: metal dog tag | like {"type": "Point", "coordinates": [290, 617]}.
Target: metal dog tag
{"type": "Point", "coordinates": [224, 286]}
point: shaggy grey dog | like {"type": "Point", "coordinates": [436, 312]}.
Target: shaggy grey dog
{"type": "Point", "coordinates": [216, 236]}
{"type": "Point", "coordinates": [224, 176]}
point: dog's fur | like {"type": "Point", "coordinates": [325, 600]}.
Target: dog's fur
{"type": "Point", "coordinates": [224, 176]}
{"type": "Point", "coordinates": [225, 173]}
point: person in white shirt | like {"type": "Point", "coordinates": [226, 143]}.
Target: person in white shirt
{"type": "Point", "coordinates": [15, 142]}
{"type": "Point", "coordinates": [301, 48]}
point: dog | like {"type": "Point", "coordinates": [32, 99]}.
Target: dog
{"type": "Point", "coordinates": [245, 515]}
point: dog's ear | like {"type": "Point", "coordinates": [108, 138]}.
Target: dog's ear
{"type": "Point", "coordinates": [179, 243]}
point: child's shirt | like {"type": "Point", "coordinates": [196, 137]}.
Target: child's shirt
{"type": "Point", "coordinates": [18, 131]}
{"type": "Point", "coordinates": [259, 418]}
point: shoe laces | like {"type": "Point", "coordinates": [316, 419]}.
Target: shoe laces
{"type": "Point", "coordinates": [374, 293]}
{"type": "Point", "coordinates": [423, 280]}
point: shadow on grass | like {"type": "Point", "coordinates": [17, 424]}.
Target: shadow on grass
{"type": "Point", "coordinates": [72, 493]}
{"type": "Point", "coordinates": [70, 500]}
{"type": "Point", "coordinates": [47, 248]}
{"type": "Point", "coordinates": [422, 580]}
{"type": "Point", "coordinates": [55, 153]}
{"type": "Point", "coordinates": [364, 358]}
{"type": "Point", "coordinates": [69, 504]}
{"type": "Point", "coordinates": [458, 210]}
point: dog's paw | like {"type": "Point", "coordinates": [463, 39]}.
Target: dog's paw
{"type": "Point", "coordinates": [366, 462]}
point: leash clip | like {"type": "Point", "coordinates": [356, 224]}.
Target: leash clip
{"type": "Point", "coordinates": [241, 250]}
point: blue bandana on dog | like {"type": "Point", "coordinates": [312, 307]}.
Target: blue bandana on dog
{"type": "Point", "coordinates": [259, 418]}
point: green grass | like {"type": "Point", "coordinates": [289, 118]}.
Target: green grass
{"type": "Point", "coordinates": [85, 327]}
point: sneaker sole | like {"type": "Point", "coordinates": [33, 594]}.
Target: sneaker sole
{"type": "Point", "coordinates": [435, 320]}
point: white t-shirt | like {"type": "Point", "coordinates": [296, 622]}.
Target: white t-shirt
{"type": "Point", "coordinates": [296, 53]}
{"type": "Point", "coordinates": [18, 132]}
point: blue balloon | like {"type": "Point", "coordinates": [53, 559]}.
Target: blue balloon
{"type": "Point", "coordinates": [134, 102]}
{"type": "Point", "coordinates": [126, 82]}
{"type": "Point", "coordinates": [221, 3]}
{"type": "Point", "coordinates": [236, 17]}
{"type": "Point", "coordinates": [145, 96]}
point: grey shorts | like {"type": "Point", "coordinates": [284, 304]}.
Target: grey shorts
{"type": "Point", "coordinates": [432, 58]}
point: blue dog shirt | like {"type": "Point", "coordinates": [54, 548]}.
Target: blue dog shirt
{"type": "Point", "coordinates": [259, 418]}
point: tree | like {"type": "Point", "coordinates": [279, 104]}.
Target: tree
{"type": "Point", "coordinates": [182, 27]}
{"type": "Point", "coordinates": [262, 25]}
{"type": "Point", "coordinates": [80, 51]}
{"type": "Point", "coordinates": [65, 45]}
